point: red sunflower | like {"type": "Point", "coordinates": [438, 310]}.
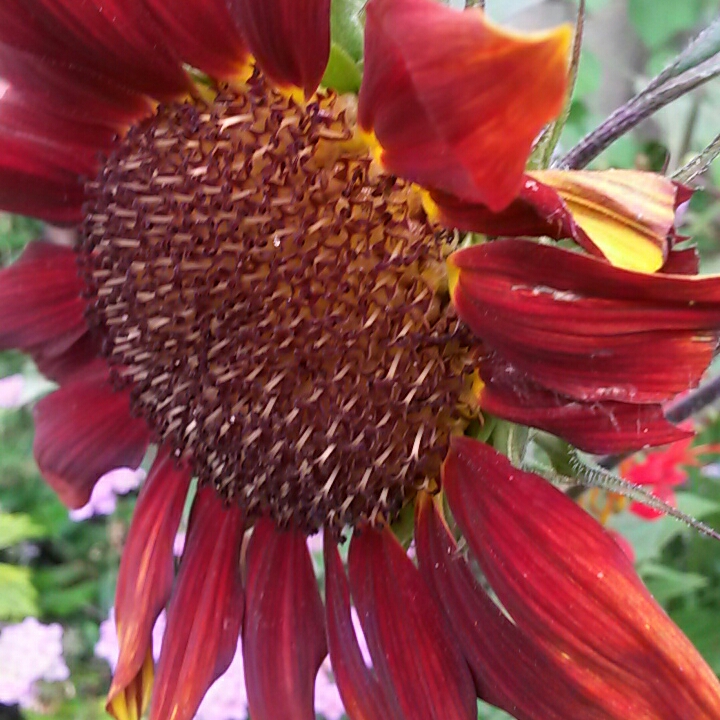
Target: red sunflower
{"type": "Point", "coordinates": [263, 293]}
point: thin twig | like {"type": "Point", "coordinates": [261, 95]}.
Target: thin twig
{"type": "Point", "coordinates": [698, 164]}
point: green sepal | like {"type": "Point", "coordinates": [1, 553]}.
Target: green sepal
{"type": "Point", "coordinates": [342, 73]}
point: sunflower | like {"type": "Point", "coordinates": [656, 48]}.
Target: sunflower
{"type": "Point", "coordinates": [267, 286]}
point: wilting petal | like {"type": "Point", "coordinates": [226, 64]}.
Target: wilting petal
{"type": "Point", "coordinates": [115, 39]}
{"type": "Point", "coordinates": [596, 427]}
{"type": "Point", "coordinates": [566, 584]}
{"type": "Point", "coordinates": [583, 328]}
{"type": "Point", "coordinates": [289, 39]}
{"type": "Point", "coordinates": [147, 570]}
{"type": "Point", "coordinates": [626, 215]}
{"type": "Point", "coordinates": [510, 670]}
{"type": "Point", "coordinates": [364, 695]}
{"type": "Point", "coordinates": [40, 303]}
{"type": "Point", "coordinates": [408, 635]}
{"type": "Point", "coordinates": [82, 431]}
{"type": "Point", "coordinates": [206, 610]}
{"type": "Point", "coordinates": [284, 632]}
{"type": "Point", "coordinates": [422, 58]}
{"type": "Point", "coordinates": [202, 34]}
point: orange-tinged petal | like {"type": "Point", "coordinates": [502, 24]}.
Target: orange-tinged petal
{"type": "Point", "coordinates": [146, 571]}
{"type": "Point", "coordinates": [511, 669]}
{"type": "Point", "coordinates": [205, 612]}
{"type": "Point", "coordinates": [627, 214]}
{"type": "Point", "coordinates": [567, 585]}
{"type": "Point", "coordinates": [290, 39]}
{"type": "Point", "coordinates": [284, 633]}
{"type": "Point", "coordinates": [455, 102]}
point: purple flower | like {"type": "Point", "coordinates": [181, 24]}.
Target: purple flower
{"type": "Point", "coordinates": [104, 495]}
{"type": "Point", "coordinates": [29, 652]}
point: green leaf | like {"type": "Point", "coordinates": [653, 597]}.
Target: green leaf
{"type": "Point", "coordinates": [656, 27]}
{"type": "Point", "coordinates": [667, 584]}
{"type": "Point", "coordinates": [346, 27]}
{"type": "Point", "coordinates": [16, 528]}
{"type": "Point", "coordinates": [703, 629]}
{"type": "Point", "coordinates": [18, 596]}
{"type": "Point", "coordinates": [342, 73]}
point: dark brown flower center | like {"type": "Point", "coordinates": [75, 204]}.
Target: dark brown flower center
{"type": "Point", "coordinates": [277, 305]}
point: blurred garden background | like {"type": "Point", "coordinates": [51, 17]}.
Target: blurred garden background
{"type": "Point", "coordinates": [58, 569]}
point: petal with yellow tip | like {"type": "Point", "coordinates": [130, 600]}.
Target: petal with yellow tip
{"type": "Point", "coordinates": [454, 101]}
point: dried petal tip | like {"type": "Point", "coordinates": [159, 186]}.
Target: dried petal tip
{"type": "Point", "coordinates": [422, 58]}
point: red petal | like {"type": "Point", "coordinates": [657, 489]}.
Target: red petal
{"type": "Point", "coordinates": [71, 91]}
{"type": "Point", "coordinates": [567, 584]}
{"type": "Point", "coordinates": [70, 364]}
{"type": "Point", "coordinates": [596, 427]}
{"type": "Point", "coordinates": [206, 610]}
{"type": "Point", "coordinates": [82, 431]}
{"type": "Point", "coordinates": [289, 39]}
{"type": "Point", "coordinates": [422, 58]}
{"type": "Point", "coordinates": [116, 39]}
{"type": "Point", "coordinates": [40, 303]}
{"type": "Point", "coordinates": [582, 327]}
{"type": "Point", "coordinates": [147, 567]}
{"type": "Point", "coordinates": [364, 695]}
{"type": "Point", "coordinates": [409, 638]}
{"type": "Point", "coordinates": [284, 633]}
{"type": "Point", "coordinates": [511, 671]}
{"type": "Point", "coordinates": [202, 34]}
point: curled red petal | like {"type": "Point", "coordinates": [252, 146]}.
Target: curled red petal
{"type": "Point", "coordinates": [84, 430]}
{"type": "Point", "coordinates": [115, 39]}
{"type": "Point", "coordinates": [597, 427]}
{"type": "Point", "coordinates": [422, 58]}
{"type": "Point", "coordinates": [582, 327]}
{"type": "Point", "coordinates": [40, 303]}
{"type": "Point", "coordinates": [147, 568]}
{"type": "Point", "coordinates": [364, 695]}
{"type": "Point", "coordinates": [289, 39]}
{"type": "Point", "coordinates": [408, 635]}
{"type": "Point", "coordinates": [525, 678]}
{"type": "Point", "coordinates": [284, 631]}
{"type": "Point", "coordinates": [567, 584]}
{"type": "Point", "coordinates": [205, 612]}
{"type": "Point", "coordinates": [202, 34]}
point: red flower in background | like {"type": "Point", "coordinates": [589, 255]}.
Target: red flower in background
{"type": "Point", "coordinates": [263, 293]}
{"type": "Point", "coordinates": [663, 470]}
